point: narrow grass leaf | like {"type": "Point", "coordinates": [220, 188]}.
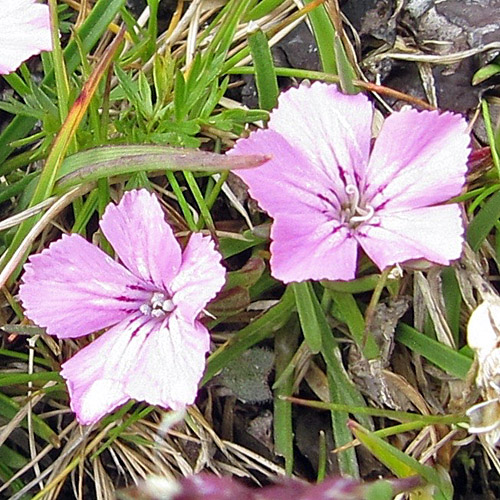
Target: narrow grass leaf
{"type": "Point", "coordinates": [312, 317]}
{"type": "Point", "coordinates": [265, 76]}
{"type": "Point", "coordinates": [359, 285]}
{"type": "Point", "coordinates": [416, 420]}
{"type": "Point", "coordinates": [200, 201]}
{"type": "Point", "coordinates": [90, 32]}
{"type": "Point", "coordinates": [452, 299]}
{"type": "Point", "coordinates": [324, 33]}
{"type": "Point", "coordinates": [494, 147]}
{"type": "Point", "coordinates": [285, 345]}
{"type": "Point", "coordinates": [342, 391]}
{"type": "Point", "coordinates": [484, 221]}
{"type": "Point", "coordinates": [401, 464]}
{"type": "Point", "coordinates": [344, 68]}
{"type": "Point", "coordinates": [347, 310]}
{"type": "Point", "coordinates": [452, 362]}
{"type": "Point", "coordinates": [110, 161]}
{"type": "Point", "coordinates": [24, 378]}
{"type": "Point", "coordinates": [262, 9]}
{"type": "Point", "coordinates": [8, 410]}
{"type": "Point", "coordinates": [485, 72]}
{"type": "Point", "coordinates": [61, 76]}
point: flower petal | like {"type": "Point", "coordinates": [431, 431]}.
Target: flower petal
{"type": "Point", "coordinates": [419, 159]}
{"type": "Point", "coordinates": [331, 129]}
{"type": "Point", "coordinates": [159, 362]}
{"type": "Point", "coordinates": [200, 276]}
{"type": "Point", "coordinates": [141, 238]}
{"type": "Point", "coordinates": [306, 246]}
{"type": "Point", "coordinates": [24, 32]}
{"type": "Point", "coordinates": [431, 233]}
{"type": "Point", "coordinates": [296, 181]}
{"type": "Point", "coordinates": [97, 375]}
{"type": "Point", "coordinates": [170, 364]}
{"type": "Point", "coordinates": [73, 288]}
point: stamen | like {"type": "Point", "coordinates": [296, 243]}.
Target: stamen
{"type": "Point", "coordinates": [168, 306]}
{"type": "Point", "coordinates": [355, 213]}
{"type": "Point", "coordinates": [157, 300]}
{"type": "Point", "coordinates": [145, 309]}
{"type": "Point", "coordinates": [159, 305]}
{"type": "Point", "coordinates": [353, 193]}
{"type": "Point", "coordinates": [365, 215]}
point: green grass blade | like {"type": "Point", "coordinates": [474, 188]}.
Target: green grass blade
{"type": "Point", "coordinates": [265, 76]}
{"type": "Point", "coordinates": [285, 344]}
{"type": "Point", "coordinates": [345, 70]}
{"type": "Point", "coordinates": [324, 33]}
{"type": "Point", "coordinates": [200, 201]}
{"type": "Point", "coordinates": [483, 222]}
{"type": "Point", "coordinates": [401, 464]}
{"type": "Point", "coordinates": [61, 77]}
{"type": "Point", "coordinates": [8, 410]}
{"type": "Point", "coordinates": [452, 299]}
{"type": "Point", "coordinates": [312, 317]}
{"type": "Point", "coordinates": [90, 32]}
{"type": "Point", "coordinates": [342, 391]}
{"type": "Point", "coordinates": [24, 378]}
{"type": "Point", "coordinates": [452, 362]}
{"type": "Point", "coordinates": [109, 161]}
{"type": "Point", "coordinates": [347, 310]}
{"type": "Point", "coordinates": [262, 9]}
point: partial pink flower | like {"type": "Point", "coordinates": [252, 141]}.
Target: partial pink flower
{"type": "Point", "coordinates": [24, 32]}
{"type": "Point", "coordinates": [329, 192]}
{"type": "Point", "coordinates": [155, 347]}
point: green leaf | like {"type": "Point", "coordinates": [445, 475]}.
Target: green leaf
{"type": "Point", "coordinates": [347, 310]}
{"type": "Point", "coordinates": [324, 33]}
{"type": "Point", "coordinates": [359, 285]}
{"type": "Point", "coordinates": [285, 345]}
{"type": "Point", "coordinates": [485, 72]}
{"type": "Point", "coordinates": [312, 317]}
{"type": "Point", "coordinates": [342, 391]}
{"type": "Point", "coordinates": [90, 32]}
{"type": "Point", "coordinates": [108, 161]}
{"type": "Point", "coordinates": [248, 275]}
{"type": "Point", "coordinates": [441, 355]}
{"type": "Point", "coordinates": [265, 76]}
{"type": "Point", "coordinates": [483, 222]}
{"type": "Point", "coordinates": [24, 378]}
{"type": "Point", "coordinates": [401, 464]}
{"type": "Point", "coordinates": [8, 410]}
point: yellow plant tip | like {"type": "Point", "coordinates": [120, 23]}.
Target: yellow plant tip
{"type": "Point", "coordinates": [114, 28]}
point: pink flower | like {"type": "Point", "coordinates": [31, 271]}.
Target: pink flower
{"type": "Point", "coordinates": [155, 348]}
{"type": "Point", "coordinates": [24, 32]}
{"type": "Point", "coordinates": [330, 193]}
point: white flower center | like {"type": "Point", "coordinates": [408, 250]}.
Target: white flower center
{"type": "Point", "coordinates": [355, 211]}
{"type": "Point", "coordinates": [158, 306]}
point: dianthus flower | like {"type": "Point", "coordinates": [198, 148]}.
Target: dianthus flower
{"type": "Point", "coordinates": [24, 32]}
{"type": "Point", "coordinates": [330, 193]}
{"type": "Point", "coordinates": [155, 347]}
